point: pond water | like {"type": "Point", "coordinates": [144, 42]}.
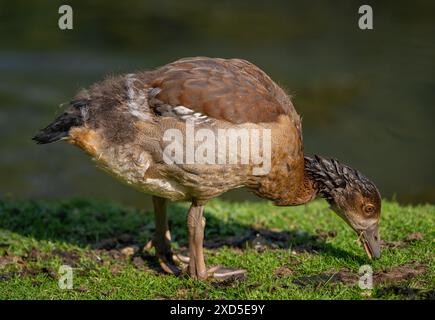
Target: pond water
{"type": "Point", "coordinates": [366, 97]}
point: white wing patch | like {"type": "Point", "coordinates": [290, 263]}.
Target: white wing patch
{"type": "Point", "coordinates": [165, 110]}
{"type": "Point", "coordinates": [136, 101]}
{"type": "Point", "coordinates": [183, 111]}
{"type": "Point", "coordinates": [188, 114]}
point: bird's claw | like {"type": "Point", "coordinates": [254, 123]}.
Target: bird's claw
{"type": "Point", "coordinates": [169, 266]}
{"type": "Point", "coordinates": [171, 263]}
{"type": "Point", "coordinates": [223, 273]}
{"type": "Point", "coordinates": [180, 259]}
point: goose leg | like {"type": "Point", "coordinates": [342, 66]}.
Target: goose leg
{"type": "Point", "coordinates": [197, 268]}
{"type": "Point", "coordinates": [162, 238]}
{"type": "Point", "coordinates": [196, 224]}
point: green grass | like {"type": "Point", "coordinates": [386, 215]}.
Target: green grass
{"type": "Point", "coordinates": [36, 237]}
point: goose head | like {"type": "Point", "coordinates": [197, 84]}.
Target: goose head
{"type": "Point", "coordinates": [351, 196]}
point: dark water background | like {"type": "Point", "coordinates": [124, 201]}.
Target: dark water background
{"type": "Point", "coordinates": [367, 97]}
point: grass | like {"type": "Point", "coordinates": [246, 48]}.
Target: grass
{"type": "Point", "coordinates": [296, 256]}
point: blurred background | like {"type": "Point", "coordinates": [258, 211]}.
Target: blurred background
{"type": "Point", "coordinates": [366, 97]}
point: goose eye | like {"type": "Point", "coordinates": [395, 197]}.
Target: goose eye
{"type": "Point", "coordinates": [369, 208]}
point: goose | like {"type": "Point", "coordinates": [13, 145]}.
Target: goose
{"type": "Point", "coordinates": [135, 126]}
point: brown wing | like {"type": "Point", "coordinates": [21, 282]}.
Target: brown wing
{"type": "Point", "coordinates": [233, 90]}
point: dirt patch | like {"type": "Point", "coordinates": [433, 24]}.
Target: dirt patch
{"type": "Point", "coordinates": [25, 265]}
{"type": "Point", "coordinates": [8, 259]}
{"type": "Point", "coordinates": [116, 269]}
{"type": "Point", "coordinates": [21, 266]}
{"type": "Point", "coordinates": [34, 271]}
{"type": "Point", "coordinates": [262, 239]}
{"type": "Point", "coordinates": [283, 272]}
{"type": "Point", "coordinates": [298, 242]}
{"type": "Point", "coordinates": [82, 289]}
{"type": "Point", "coordinates": [28, 271]}
{"type": "Point", "coordinates": [123, 252]}
{"type": "Point", "coordinates": [138, 262]}
{"type": "Point", "coordinates": [343, 276]}
{"type": "Point", "coordinates": [129, 251]}
{"type": "Point", "coordinates": [400, 273]}
{"type": "Point", "coordinates": [71, 258]}
{"type": "Point", "coordinates": [117, 252]}
{"type": "Point", "coordinates": [406, 293]}
{"type": "Point", "coordinates": [230, 282]}
{"type": "Point", "coordinates": [256, 238]}
{"type": "Point", "coordinates": [182, 293]}
{"type": "Point", "coordinates": [307, 248]}
{"type": "Point", "coordinates": [393, 244]}
{"type": "Point", "coordinates": [33, 255]}
{"type": "Point", "coordinates": [410, 238]}
{"type": "Point", "coordinates": [390, 275]}
{"type": "Point", "coordinates": [107, 293]}
{"type": "Point", "coordinates": [7, 275]}
{"type": "Point", "coordinates": [323, 234]}
{"type": "Point", "coordinates": [415, 236]}
{"type": "Point", "coordinates": [116, 259]}
{"type": "Point", "coordinates": [117, 242]}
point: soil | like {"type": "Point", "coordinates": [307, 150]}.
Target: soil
{"type": "Point", "coordinates": [410, 238]}
{"type": "Point", "coordinates": [121, 240]}
{"type": "Point", "coordinates": [118, 251]}
{"type": "Point", "coordinates": [283, 272]}
{"type": "Point", "coordinates": [389, 276]}
{"type": "Point", "coordinates": [406, 292]}
{"type": "Point", "coordinates": [262, 239]}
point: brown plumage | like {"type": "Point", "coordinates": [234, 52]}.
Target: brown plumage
{"type": "Point", "coordinates": [232, 90]}
{"type": "Point", "coordinates": [122, 123]}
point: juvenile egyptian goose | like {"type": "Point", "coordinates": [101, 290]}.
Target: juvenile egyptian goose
{"type": "Point", "coordinates": [126, 123]}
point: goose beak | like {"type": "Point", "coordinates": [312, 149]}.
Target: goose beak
{"type": "Point", "coordinates": [372, 241]}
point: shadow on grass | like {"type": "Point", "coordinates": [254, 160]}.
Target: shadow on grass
{"type": "Point", "coordinates": [108, 226]}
